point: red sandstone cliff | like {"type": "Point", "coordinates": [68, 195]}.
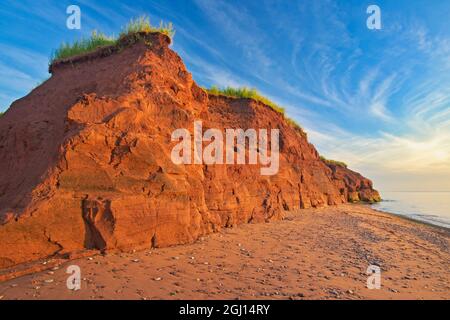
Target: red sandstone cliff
{"type": "Point", "coordinates": [85, 160]}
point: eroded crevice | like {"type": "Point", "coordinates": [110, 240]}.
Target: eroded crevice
{"type": "Point", "coordinates": [153, 242]}
{"type": "Point", "coordinates": [121, 149]}
{"type": "Point", "coordinates": [54, 242]}
{"type": "Point", "coordinates": [99, 223]}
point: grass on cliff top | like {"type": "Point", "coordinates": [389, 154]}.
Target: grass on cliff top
{"type": "Point", "coordinates": [98, 39]}
{"type": "Point", "coordinates": [82, 46]}
{"type": "Point", "coordinates": [244, 92]}
{"type": "Point", "coordinates": [142, 24]}
{"type": "Point", "coordinates": [252, 93]}
{"type": "Point", "coordinates": [334, 162]}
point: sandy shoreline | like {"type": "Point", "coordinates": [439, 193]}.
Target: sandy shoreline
{"type": "Point", "coordinates": [312, 254]}
{"type": "Point", "coordinates": [411, 219]}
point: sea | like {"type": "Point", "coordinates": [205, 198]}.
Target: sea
{"type": "Point", "coordinates": [430, 207]}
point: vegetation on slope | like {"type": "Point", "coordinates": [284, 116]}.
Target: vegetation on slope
{"type": "Point", "coordinates": [81, 46]}
{"type": "Point", "coordinates": [142, 24]}
{"type": "Point", "coordinates": [98, 40]}
{"type": "Point", "coordinates": [245, 92]}
{"type": "Point", "coordinates": [333, 162]}
{"type": "Point", "coordinates": [252, 93]}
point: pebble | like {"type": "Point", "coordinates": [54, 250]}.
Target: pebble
{"type": "Point", "coordinates": [158, 279]}
{"type": "Point", "coordinates": [135, 260]}
{"type": "Point", "coordinates": [49, 281]}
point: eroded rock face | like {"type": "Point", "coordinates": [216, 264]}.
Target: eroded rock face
{"type": "Point", "coordinates": [355, 187]}
{"type": "Point", "coordinates": [85, 161]}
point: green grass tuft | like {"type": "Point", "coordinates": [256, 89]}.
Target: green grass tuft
{"type": "Point", "coordinates": [251, 93]}
{"type": "Point", "coordinates": [142, 24]}
{"type": "Point", "coordinates": [244, 92]}
{"type": "Point", "coordinates": [333, 162]}
{"type": "Point", "coordinates": [98, 40]}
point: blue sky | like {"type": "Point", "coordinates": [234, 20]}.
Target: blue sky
{"type": "Point", "coordinates": [377, 99]}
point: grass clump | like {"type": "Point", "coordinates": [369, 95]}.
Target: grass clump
{"type": "Point", "coordinates": [333, 162]}
{"type": "Point", "coordinates": [98, 40]}
{"type": "Point", "coordinates": [244, 92]}
{"type": "Point", "coordinates": [251, 93]}
{"type": "Point", "coordinates": [95, 41]}
{"type": "Point", "coordinates": [142, 24]}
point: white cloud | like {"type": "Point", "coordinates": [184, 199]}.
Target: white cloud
{"type": "Point", "coordinates": [379, 110]}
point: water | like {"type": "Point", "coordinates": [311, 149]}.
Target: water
{"type": "Point", "coordinates": [431, 207]}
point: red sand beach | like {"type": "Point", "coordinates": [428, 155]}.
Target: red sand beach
{"type": "Point", "coordinates": [312, 254]}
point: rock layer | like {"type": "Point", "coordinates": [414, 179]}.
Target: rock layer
{"type": "Point", "coordinates": [85, 160]}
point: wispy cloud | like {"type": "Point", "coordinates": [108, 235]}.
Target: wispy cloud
{"type": "Point", "coordinates": [239, 27]}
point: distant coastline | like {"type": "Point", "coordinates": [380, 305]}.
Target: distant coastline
{"type": "Point", "coordinates": [409, 219]}
{"type": "Point", "coordinates": [430, 207]}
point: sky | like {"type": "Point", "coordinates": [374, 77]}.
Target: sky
{"type": "Point", "coordinates": [377, 99]}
